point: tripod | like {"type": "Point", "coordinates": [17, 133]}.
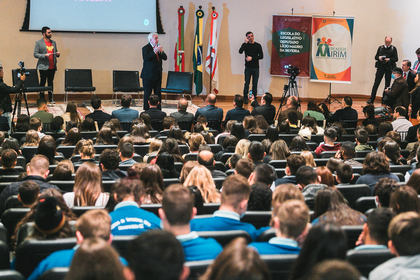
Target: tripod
{"type": "Point", "coordinates": [329, 98]}
{"type": "Point", "coordinates": [291, 89]}
{"type": "Point", "coordinates": [18, 104]}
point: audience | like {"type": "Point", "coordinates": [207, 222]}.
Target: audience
{"type": "Point", "coordinates": [404, 199]}
{"type": "Point", "coordinates": [201, 177]}
{"type": "Point", "coordinates": [28, 193]}
{"type": "Point", "coordinates": [152, 179]}
{"type": "Point", "coordinates": [238, 113]}
{"type": "Point", "coordinates": [98, 115]}
{"type": "Point", "coordinates": [8, 162]}
{"type": "Point", "coordinates": [330, 135]}
{"type": "Point", "coordinates": [260, 198]}
{"type": "Point", "coordinates": [309, 182]}
{"type": "Point", "coordinates": [109, 161]}
{"type": "Point", "coordinates": [154, 111]}
{"type": "Point", "coordinates": [293, 164]}
{"type": "Point", "coordinates": [125, 114]}
{"type": "Point", "coordinates": [71, 113]}
{"type": "Point", "coordinates": [362, 137]}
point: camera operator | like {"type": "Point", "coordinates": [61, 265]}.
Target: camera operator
{"type": "Point", "coordinates": [5, 90]}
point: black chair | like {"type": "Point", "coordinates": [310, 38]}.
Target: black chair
{"type": "Point", "coordinates": [11, 217]}
{"type": "Point", "coordinates": [67, 151]}
{"type": "Point", "coordinates": [279, 266]}
{"type": "Point", "coordinates": [115, 140]}
{"type": "Point", "coordinates": [312, 146]}
{"type": "Point", "coordinates": [125, 81]}
{"type": "Point", "coordinates": [141, 150]}
{"type": "Point", "coordinates": [210, 208]}
{"type": "Point", "coordinates": [100, 148]}
{"type": "Point", "coordinates": [157, 125]}
{"type": "Point", "coordinates": [4, 256]}
{"type": "Point", "coordinates": [31, 252]}
{"type": "Point", "coordinates": [169, 181]}
{"type": "Point", "coordinates": [215, 148]}
{"type": "Point", "coordinates": [191, 157]}
{"type": "Point", "coordinates": [258, 219]}
{"type": "Point", "coordinates": [221, 139]}
{"type": "Point", "coordinates": [8, 178]}
{"type": "Point", "coordinates": [78, 80]}
{"type": "Point", "coordinates": [80, 210]}
{"type": "Point", "coordinates": [152, 208]}
{"type": "Point", "coordinates": [107, 185]}
{"type": "Point", "coordinates": [218, 182]}
{"type": "Point", "coordinates": [230, 172]}
{"type": "Point", "coordinates": [178, 83]}
{"type": "Point", "coordinates": [365, 203]}
{"type": "Point", "coordinates": [317, 138]}
{"type": "Point", "coordinates": [31, 82]}
{"type": "Point", "coordinates": [287, 138]}
{"type": "Point", "coordinates": [278, 163]}
{"type": "Point", "coordinates": [353, 233]}
{"type": "Point", "coordinates": [321, 161]}
{"type": "Point", "coordinates": [400, 176]}
{"type": "Point", "coordinates": [327, 154]}
{"type": "Point", "coordinates": [265, 236]}
{"type": "Point", "coordinates": [120, 243]}
{"type": "Point", "coordinates": [280, 172]}
{"type": "Point", "coordinates": [57, 135]}
{"type": "Point", "coordinates": [11, 275]}
{"type": "Point", "coordinates": [353, 192]}
{"type": "Point", "coordinates": [183, 149]}
{"type": "Point", "coordinates": [56, 273]}
{"type": "Point", "coordinates": [399, 168]}
{"type": "Point", "coordinates": [185, 125]}
{"type": "Point", "coordinates": [225, 156]}
{"type": "Point", "coordinates": [28, 152]}
{"type": "Point", "coordinates": [216, 125]}
{"type": "Point", "coordinates": [348, 137]}
{"type": "Point", "coordinates": [367, 260]}
{"type": "Point", "coordinates": [13, 202]}
{"type": "Point", "coordinates": [225, 237]}
{"type": "Point", "coordinates": [256, 137]}
{"type": "Point", "coordinates": [89, 134]}
{"type": "Point", "coordinates": [362, 154]}
{"type": "Point", "coordinates": [197, 268]}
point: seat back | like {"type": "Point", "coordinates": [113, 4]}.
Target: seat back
{"type": "Point", "coordinates": [31, 252]}
{"type": "Point", "coordinates": [152, 208]}
{"type": "Point", "coordinates": [80, 210]}
{"type": "Point", "coordinates": [210, 208]}
{"type": "Point", "coordinates": [100, 148]}
{"type": "Point", "coordinates": [11, 275]}
{"type": "Point", "coordinates": [56, 273]}
{"type": "Point", "coordinates": [67, 151]}
{"type": "Point", "coordinates": [365, 203]}
{"type": "Point", "coordinates": [219, 182]}
{"type": "Point", "coordinates": [366, 260]}
{"type": "Point", "coordinates": [179, 81]}
{"type": "Point", "coordinates": [256, 137]}
{"type": "Point", "coordinates": [353, 233]}
{"type": "Point", "coordinates": [169, 181]}
{"type": "Point", "coordinates": [11, 217]}
{"type": "Point", "coordinates": [353, 192]}
{"type": "Point", "coordinates": [120, 243]}
{"type": "Point", "coordinates": [197, 268]}
{"type": "Point", "coordinates": [77, 78]}
{"type": "Point", "coordinates": [279, 266]}
{"type": "Point", "coordinates": [31, 82]}
{"type": "Point", "coordinates": [185, 125]}
{"type": "Point", "coordinates": [13, 202]}
{"type": "Point", "coordinates": [265, 236]}
{"type": "Point", "coordinates": [258, 219]}
{"type": "Point", "coordinates": [225, 237]}
{"type": "Point", "coordinates": [125, 81]}
{"type": "Point", "coordinates": [28, 152]}
{"type": "Point", "coordinates": [278, 163]}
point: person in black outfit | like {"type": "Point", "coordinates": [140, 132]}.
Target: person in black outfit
{"type": "Point", "coordinates": [267, 110]}
{"type": "Point", "coordinates": [5, 91]}
{"type": "Point", "coordinates": [346, 114]}
{"type": "Point", "coordinates": [151, 74]}
{"type": "Point", "coordinates": [98, 115]}
{"type": "Point", "coordinates": [253, 53]}
{"type": "Point", "coordinates": [386, 58]}
{"type": "Point", "coordinates": [154, 112]}
{"type": "Point", "coordinates": [9, 161]}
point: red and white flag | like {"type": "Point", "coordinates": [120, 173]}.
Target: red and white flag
{"type": "Point", "coordinates": [211, 59]}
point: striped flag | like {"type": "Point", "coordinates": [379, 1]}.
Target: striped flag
{"type": "Point", "coordinates": [211, 59]}
{"type": "Point", "coordinates": [198, 52]}
{"type": "Point", "coordinates": [179, 46]}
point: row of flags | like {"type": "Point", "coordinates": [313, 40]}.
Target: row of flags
{"type": "Point", "coordinates": [211, 58]}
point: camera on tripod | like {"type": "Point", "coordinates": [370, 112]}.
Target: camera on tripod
{"type": "Point", "coordinates": [22, 69]}
{"type": "Point", "coordinates": [292, 70]}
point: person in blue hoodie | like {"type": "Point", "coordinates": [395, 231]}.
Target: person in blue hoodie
{"type": "Point", "coordinates": [290, 222]}
{"type": "Point", "coordinates": [176, 212]}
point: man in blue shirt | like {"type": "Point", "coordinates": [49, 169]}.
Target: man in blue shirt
{"type": "Point", "coordinates": [94, 223]}
{"type": "Point", "coordinates": [176, 212]}
{"type": "Point", "coordinates": [238, 113]}
{"type": "Point", "coordinates": [290, 222]}
{"type": "Point", "coordinates": [128, 218]}
{"type": "Point", "coordinates": [235, 196]}
{"type": "Point", "coordinates": [125, 114]}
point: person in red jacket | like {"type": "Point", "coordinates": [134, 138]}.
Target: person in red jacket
{"type": "Point", "coordinates": [330, 135]}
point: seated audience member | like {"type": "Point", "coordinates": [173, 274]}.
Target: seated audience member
{"type": "Point", "coordinates": [176, 212]}
{"type": "Point", "coordinates": [309, 127]}
{"type": "Point", "coordinates": [404, 234]}
{"type": "Point", "coordinates": [47, 148]}
{"type": "Point", "coordinates": [182, 115]}
{"type": "Point", "coordinates": [126, 153]}
{"type": "Point", "coordinates": [332, 164]}
{"type": "Point", "coordinates": [260, 198]}
{"type": "Point", "coordinates": [11, 143]}
{"type": "Point", "coordinates": [57, 124]}
{"type": "Point", "coordinates": [383, 129]}
{"type": "Point", "coordinates": [293, 119]}
{"type": "Point", "coordinates": [325, 176]}
{"type": "Point", "coordinates": [314, 111]}
{"type": "Point", "coordinates": [154, 112]}
{"type": "Point", "coordinates": [152, 179]}
{"type": "Point", "coordinates": [63, 171]}
{"type": "Point", "coordinates": [415, 144]}
{"type": "Point", "coordinates": [330, 135]}
{"type": "Point", "coordinates": [292, 104]}
{"type": "Point", "coordinates": [244, 167]}
{"type": "Point", "coordinates": [42, 112]}
{"type": "Point", "coordinates": [347, 153]}
{"type": "Point", "coordinates": [167, 124]}
{"type": "Point", "coordinates": [71, 113]}
{"type": "Point", "coordinates": [88, 125]}
{"type": "Point", "coordinates": [128, 218]}
{"type": "Point", "coordinates": [331, 207]}
{"type": "Point", "coordinates": [170, 146]}
{"type": "Point", "coordinates": [86, 151]}
{"type": "Point", "coordinates": [413, 131]}
{"type": "Point", "coordinates": [265, 109]}
{"type": "Point", "coordinates": [344, 174]}
{"type": "Point", "coordinates": [256, 153]}
{"type": "Point", "coordinates": [157, 255]}
{"type": "Point", "coordinates": [166, 163]}
{"type": "Point", "coordinates": [28, 193]}
{"type": "Point", "coordinates": [404, 199]}
{"type": "Point", "coordinates": [375, 230]}
{"type": "Point", "coordinates": [278, 151]}
{"type": "Point", "coordinates": [395, 136]}
{"type": "Point", "coordinates": [140, 134]}
{"type": "Point", "coordinates": [375, 167]}
{"type": "Point", "coordinates": [309, 158]}
{"type": "Point", "coordinates": [309, 182]}
{"type": "Point", "coordinates": [369, 114]}
{"type": "Point", "coordinates": [362, 137]}
{"type": "Point", "coordinates": [290, 221]}
{"type": "Point", "coordinates": [196, 139]}
{"type": "Point", "coordinates": [36, 124]}
{"type": "Point", "coordinates": [400, 123]}
{"type": "Point", "coordinates": [335, 269]}
{"type": "Point", "coordinates": [153, 149]}
{"type": "Point", "coordinates": [109, 161]}
{"type": "Point", "coordinates": [263, 173]}
{"type": "Point", "coordinates": [72, 137]}
{"type": "Point", "coordinates": [234, 200]}
{"type": "Point", "coordinates": [125, 114]}
{"type": "Point", "coordinates": [383, 190]}
{"type": "Point", "coordinates": [293, 164]}
{"type": "Point", "coordinates": [95, 259]}
{"type": "Point", "coordinates": [104, 136]}
{"type": "Point", "coordinates": [228, 146]}
{"type": "Point", "coordinates": [177, 134]}
{"type": "Point", "coordinates": [250, 126]}
{"type": "Point", "coordinates": [201, 177]}
{"type": "Point", "coordinates": [298, 144]}
{"type": "Point", "coordinates": [93, 223]}
{"type": "Point", "coordinates": [346, 113]}
{"type": "Point", "coordinates": [392, 152]}
{"type": "Point", "coordinates": [31, 139]}
{"type": "Point", "coordinates": [206, 158]}
{"type": "Point", "coordinates": [98, 115]}
{"type": "Point", "coordinates": [237, 261]}
{"type": "Point", "coordinates": [37, 170]}
{"type": "Point", "coordinates": [233, 160]}
{"type": "Point", "coordinates": [186, 169]}
{"type": "Point", "coordinates": [238, 113]}
{"type": "Point", "coordinates": [371, 129]}
{"type": "Point", "coordinates": [324, 241]}
{"type": "Point", "coordinates": [87, 190]}
{"type": "Point", "coordinates": [238, 131]}
{"type": "Point", "coordinates": [8, 162]}
{"type": "Point", "coordinates": [22, 123]}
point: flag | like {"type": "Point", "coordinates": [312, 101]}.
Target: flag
{"type": "Point", "coordinates": [179, 46]}
{"type": "Point", "coordinates": [211, 59]}
{"type": "Point", "coordinates": [198, 52]}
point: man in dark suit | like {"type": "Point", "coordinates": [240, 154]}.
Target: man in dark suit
{"type": "Point", "coordinates": [211, 112]}
{"type": "Point", "coordinates": [267, 110]}
{"type": "Point", "coordinates": [182, 115]}
{"type": "Point", "coordinates": [238, 113]}
{"type": "Point", "coordinates": [125, 114]}
{"type": "Point", "coordinates": [412, 131]}
{"type": "Point", "coordinates": [98, 115]}
{"type": "Point", "coordinates": [408, 75]}
{"type": "Point", "coordinates": [154, 113]}
{"type": "Point", "coordinates": [151, 74]}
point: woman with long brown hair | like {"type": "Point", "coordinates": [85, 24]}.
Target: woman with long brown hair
{"type": "Point", "coordinates": [71, 113]}
{"type": "Point", "coordinates": [201, 177]}
{"type": "Point", "coordinates": [104, 137]}
{"type": "Point", "coordinates": [152, 178]}
{"type": "Point", "coordinates": [87, 190]}
{"type": "Point", "coordinates": [72, 137]}
{"type": "Point", "coordinates": [31, 139]}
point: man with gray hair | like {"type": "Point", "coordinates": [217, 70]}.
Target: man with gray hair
{"type": "Point", "coordinates": [182, 115]}
{"type": "Point", "coordinates": [153, 55]}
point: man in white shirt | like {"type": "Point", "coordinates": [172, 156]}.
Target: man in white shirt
{"type": "Point", "coordinates": [400, 123]}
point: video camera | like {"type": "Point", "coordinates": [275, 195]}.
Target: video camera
{"type": "Point", "coordinates": [22, 69]}
{"type": "Point", "coordinates": [292, 70]}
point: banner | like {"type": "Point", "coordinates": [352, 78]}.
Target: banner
{"type": "Point", "coordinates": [179, 46]}
{"type": "Point", "coordinates": [290, 44]}
{"type": "Point", "coordinates": [211, 59]}
{"type": "Point", "coordinates": [198, 52]}
{"type": "Point", "coordinates": [332, 38]}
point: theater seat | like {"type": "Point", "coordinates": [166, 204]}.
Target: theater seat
{"type": "Point", "coordinates": [197, 268]}
{"type": "Point", "coordinates": [366, 260]}
{"type": "Point", "coordinates": [120, 243]}
{"type": "Point", "coordinates": [352, 233]}
{"type": "Point", "coordinates": [11, 275]}
{"type": "Point", "coordinates": [56, 273]}
{"type": "Point", "coordinates": [225, 237]}
{"type": "Point", "coordinates": [280, 266]}
{"type": "Point", "coordinates": [258, 219]}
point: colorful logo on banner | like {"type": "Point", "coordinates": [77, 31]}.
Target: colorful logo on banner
{"type": "Point", "coordinates": [331, 49]}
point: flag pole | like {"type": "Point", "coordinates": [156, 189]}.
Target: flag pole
{"type": "Point", "coordinates": [211, 54]}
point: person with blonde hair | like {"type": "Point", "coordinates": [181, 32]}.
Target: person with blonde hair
{"type": "Point", "coordinates": [31, 139]}
{"type": "Point", "coordinates": [87, 190]}
{"type": "Point", "coordinates": [195, 140]}
{"type": "Point", "coordinates": [87, 152]}
{"type": "Point", "coordinates": [309, 158]}
{"type": "Point", "coordinates": [201, 177]}
{"type": "Point", "coordinates": [279, 150]}
{"type": "Point", "coordinates": [154, 147]}
{"type": "Point", "coordinates": [242, 147]}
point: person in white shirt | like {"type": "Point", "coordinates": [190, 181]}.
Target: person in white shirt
{"type": "Point", "coordinates": [400, 123]}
